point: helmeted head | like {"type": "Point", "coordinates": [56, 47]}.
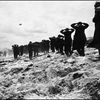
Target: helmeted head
{"type": "Point", "coordinates": [97, 4]}
{"type": "Point", "coordinates": [79, 23]}
{"type": "Point", "coordinates": [30, 42]}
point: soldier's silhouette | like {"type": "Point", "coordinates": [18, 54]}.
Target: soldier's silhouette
{"type": "Point", "coordinates": [52, 43]}
{"type": "Point", "coordinates": [68, 40]}
{"type": "Point", "coordinates": [79, 40]}
{"type": "Point", "coordinates": [96, 38]}
{"type": "Point", "coordinates": [36, 48]}
{"type": "Point", "coordinates": [30, 50]}
{"type": "Point", "coordinates": [45, 46]}
{"type": "Point", "coordinates": [57, 47]}
{"type": "Point", "coordinates": [15, 51]}
{"type": "Point", "coordinates": [21, 48]}
{"type": "Point", "coordinates": [60, 43]}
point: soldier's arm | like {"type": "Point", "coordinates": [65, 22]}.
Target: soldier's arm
{"type": "Point", "coordinates": [72, 30]}
{"type": "Point", "coordinates": [62, 31]}
{"type": "Point", "coordinates": [85, 25]}
{"type": "Point", "coordinates": [74, 25]}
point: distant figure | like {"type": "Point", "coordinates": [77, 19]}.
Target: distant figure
{"type": "Point", "coordinates": [60, 43]}
{"type": "Point", "coordinates": [36, 48]}
{"type": "Point", "coordinates": [5, 53]}
{"type": "Point", "coordinates": [15, 51]}
{"type": "Point", "coordinates": [45, 46]}
{"type": "Point", "coordinates": [68, 40]}
{"type": "Point", "coordinates": [21, 48]}
{"type": "Point", "coordinates": [30, 50]}
{"type": "Point", "coordinates": [79, 37]}
{"type": "Point", "coordinates": [57, 44]}
{"type": "Point", "coordinates": [96, 39]}
{"type": "Point", "coordinates": [52, 43]}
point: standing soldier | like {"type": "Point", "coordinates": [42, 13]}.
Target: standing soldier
{"type": "Point", "coordinates": [60, 43]}
{"type": "Point", "coordinates": [47, 46]}
{"type": "Point", "coordinates": [15, 50]}
{"type": "Point", "coordinates": [68, 40]}
{"type": "Point", "coordinates": [79, 37]}
{"type": "Point", "coordinates": [96, 39]}
{"type": "Point", "coordinates": [52, 43]}
{"type": "Point", "coordinates": [21, 50]}
{"type": "Point", "coordinates": [30, 50]}
{"type": "Point", "coordinates": [36, 48]}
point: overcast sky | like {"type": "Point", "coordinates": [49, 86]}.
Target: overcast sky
{"type": "Point", "coordinates": [41, 19]}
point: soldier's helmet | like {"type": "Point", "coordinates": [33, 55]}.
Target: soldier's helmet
{"type": "Point", "coordinates": [30, 42]}
{"type": "Point", "coordinates": [97, 6]}
{"type": "Point", "coordinates": [79, 23]}
{"type": "Point", "coordinates": [60, 36]}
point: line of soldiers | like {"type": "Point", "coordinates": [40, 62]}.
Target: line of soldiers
{"type": "Point", "coordinates": [61, 44]}
{"type": "Point", "coordinates": [64, 44]}
{"type": "Point", "coordinates": [34, 47]}
{"type": "Point", "coordinates": [37, 47]}
{"type": "Point", "coordinates": [17, 50]}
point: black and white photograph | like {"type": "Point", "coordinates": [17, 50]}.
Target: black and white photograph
{"type": "Point", "coordinates": [50, 50]}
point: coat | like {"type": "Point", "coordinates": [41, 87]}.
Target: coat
{"type": "Point", "coordinates": [96, 38]}
{"type": "Point", "coordinates": [79, 40]}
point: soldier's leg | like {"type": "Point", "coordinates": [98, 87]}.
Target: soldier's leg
{"type": "Point", "coordinates": [30, 55]}
{"type": "Point", "coordinates": [79, 51]}
{"type": "Point", "coordinates": [37, 52]}
{"type": "Point", "coordinates": [34, 53]}
{"type": "Point", "coordinates": [14, 55]}
{"type": "Point", "coordinates": [99, 51]}
{"type": "Point", "coordinates": [61, 49]}
{"type": "Point", "coordinates": [82, 52]}
{"type": "Point", "coordinates": [53, 49]}
{"type": "Point", "coordinates": [70, 51]}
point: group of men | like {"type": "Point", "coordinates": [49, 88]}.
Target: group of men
{"type": "Point", "coordinates": [37, 47]}
{"type": "Point", "coordinates": [64, 43]}
{"type": "Point", "coordinates": [17, 50]}
{"type": "Point", "coordinates": [61, 44]}
{"type": "Point", "coordinates": [32, 47]}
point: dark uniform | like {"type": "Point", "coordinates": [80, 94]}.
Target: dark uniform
{"type": "Point", "coordinates": [52, 43]}
{"type": "Point", "coordinates": [60, 43]}
{"type": "Point", "coordinates": [21, 48]}
{"type": "Point", "coordinates": [96, 39]}
{"type": "Point", "coordinates": [30, 50]}
{"type": "Point", "coordinates": [36, 48]}
{"type": "Point", "coordinates": [79, 37]}
{"type": "Point", "coordinates": [68, 40]}
{"type": "Point", "coordinates": [15, 51]}
{"type": "Point", "coordinates": [45, 45]}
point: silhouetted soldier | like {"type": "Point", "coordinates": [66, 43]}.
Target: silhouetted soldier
{"type": "Point", "coordinates": [45, 46]}
{"type": "Point", "coordinates": [57, 47]}
{"type": "Point", "coordinates": [96, 39]}
{"type": "Point", "coordinates": [52, 43]}
{"type": "Point", "coordinates": [68, 40]}
{"type": "Point", "coordinates": [30, 50]}
{"type": "Point", "coordinates": [36, 48]}
{"type": "Point", "coordinates": [79, 37]}
{"type": "Point", "coordinates": [21, 48]}
{"type": "Point", "coordinates": [15, 51]}
{"type": "Point", "coordinates": [4, 53]}
{"type": "Point", "coordinates": [60, 43]}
